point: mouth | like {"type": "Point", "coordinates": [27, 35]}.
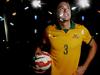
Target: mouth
{"type": "Point", "coordinates": [63, 15]}
{"type": "Point", "coordinates": [62, 20]}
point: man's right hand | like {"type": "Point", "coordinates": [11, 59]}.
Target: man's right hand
{"type": "Point", "coordinates": [37, 70]}
{"type": "Point", "coordinates": [38, 51]}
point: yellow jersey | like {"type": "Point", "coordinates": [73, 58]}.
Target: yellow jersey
{"type": "Point", "coordinates": [66, 48]}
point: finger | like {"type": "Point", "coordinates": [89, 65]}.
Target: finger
{"type": "Point", "coordinates": [39, 72]}
{"type": "Point", "coordinates": [35, 68]}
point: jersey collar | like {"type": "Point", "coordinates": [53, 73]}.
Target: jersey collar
{"type": "Point", "coordinates": [72, 24]}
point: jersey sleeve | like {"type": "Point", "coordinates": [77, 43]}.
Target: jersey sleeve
{"type": "Point", "coordinates": [86, 35]}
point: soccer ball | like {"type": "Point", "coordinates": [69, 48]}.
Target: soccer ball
{"type": "Point", "coordinates": [42, 61]}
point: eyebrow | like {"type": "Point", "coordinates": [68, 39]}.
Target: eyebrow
{"type": "Point", "coordinates": [60, 6]}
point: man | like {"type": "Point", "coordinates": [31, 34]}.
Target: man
{"type": "Point", "coordinates": [65, 41]}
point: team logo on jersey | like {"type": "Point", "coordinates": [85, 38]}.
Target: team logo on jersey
{"type": "Point", "coordinates": [76, 36]}
{"type": "Point", "coordinates": [65, 49]}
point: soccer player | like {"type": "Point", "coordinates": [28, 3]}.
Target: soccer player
{"type": "Point", "coordinates": [65, 40]}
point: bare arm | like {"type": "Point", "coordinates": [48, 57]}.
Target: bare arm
{"type": "Point", "coordinates": [45, 43]}
{"type": "Point", "coordinates": [92, 52]}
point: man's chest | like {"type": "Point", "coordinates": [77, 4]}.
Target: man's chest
{"type": "Point", "coordinates": [59, 38]}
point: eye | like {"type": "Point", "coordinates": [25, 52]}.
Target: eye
{"type": "Point", "coordinates": [60, 9]}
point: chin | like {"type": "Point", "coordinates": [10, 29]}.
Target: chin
{"type": "Point", "coordinates": [67, 19]}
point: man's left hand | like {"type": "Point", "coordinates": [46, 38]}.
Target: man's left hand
{"type": "Point", "coordinates": [81, 70]}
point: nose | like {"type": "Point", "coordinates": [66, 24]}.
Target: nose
{"type": "Point", "coordinates": [65, 10]}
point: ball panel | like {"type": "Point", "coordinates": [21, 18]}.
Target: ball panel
{"type": "Point", "coordinates": [42, 61]}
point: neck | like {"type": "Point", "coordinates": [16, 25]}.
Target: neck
{"type": "Point", "coordinates": [65, 25]}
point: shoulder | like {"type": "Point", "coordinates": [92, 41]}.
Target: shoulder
{"type": "Point", "coordinates": [50, 27]}
{"type": "Point", "coordinates": [83, 30]}
{"type": "Point", "coordinates": [80, 26]}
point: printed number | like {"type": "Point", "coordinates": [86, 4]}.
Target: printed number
{"type": "Point", "coordinates": [65, 49]}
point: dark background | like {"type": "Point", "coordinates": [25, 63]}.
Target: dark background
{"type": "Point", "coordinates": [16, 54]}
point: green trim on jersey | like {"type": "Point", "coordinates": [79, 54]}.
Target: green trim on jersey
{"type": "Point", "coordinates": [65, 30]}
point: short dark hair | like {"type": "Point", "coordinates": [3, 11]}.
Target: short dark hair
{"type": "Point", "coordinates": [63, 2]}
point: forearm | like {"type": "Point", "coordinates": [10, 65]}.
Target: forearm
{"type": "Point", "coordinates": [90, 57]}
{"type": "Point", "coordinates": [91, 54]}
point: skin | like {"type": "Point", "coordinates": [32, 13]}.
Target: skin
{"type": "Point", "coordinates": [63, 10]}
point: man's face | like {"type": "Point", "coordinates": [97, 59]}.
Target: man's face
{"type": "Point", "coordinates": [64, 11]}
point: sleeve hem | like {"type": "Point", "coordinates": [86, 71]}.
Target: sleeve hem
{"type": "Point", "coordinates": [90, 40]}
